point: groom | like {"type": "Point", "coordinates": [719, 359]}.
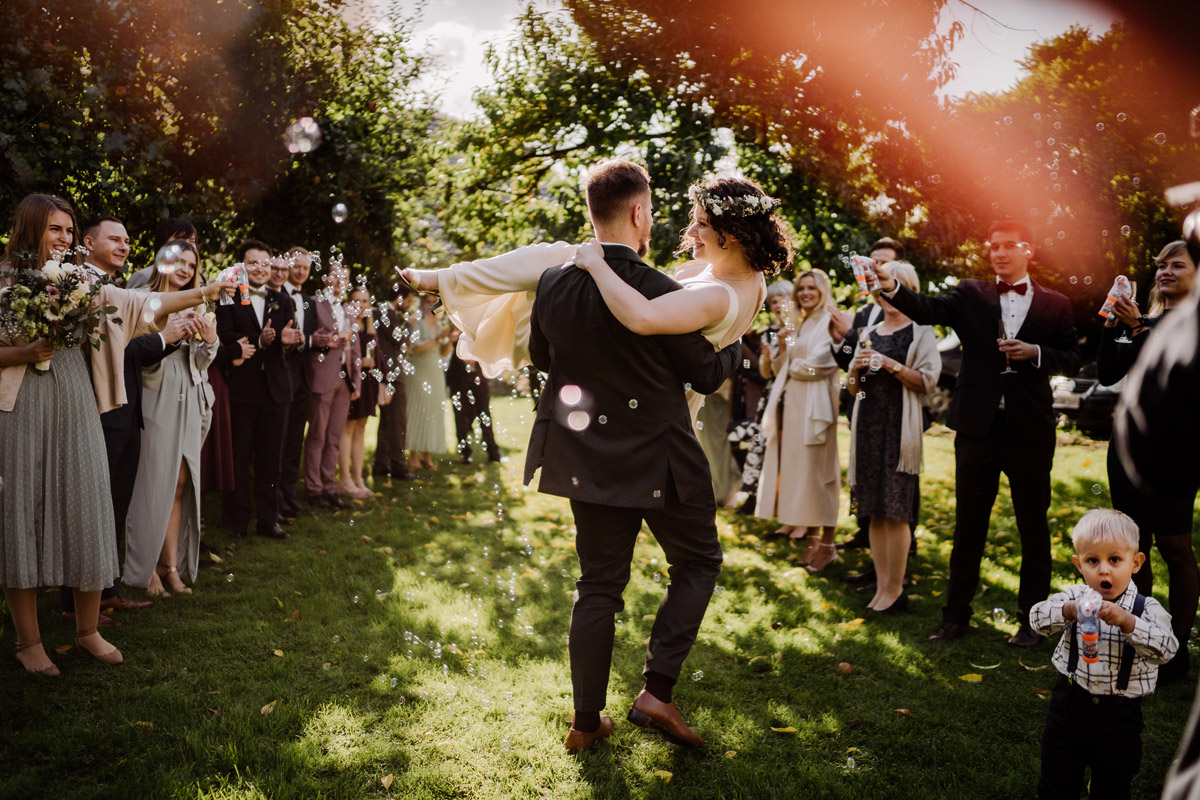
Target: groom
{"type": "Point", "coordinates": [614, 435]}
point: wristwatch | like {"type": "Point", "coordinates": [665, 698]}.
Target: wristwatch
{"type": "Point", "coordinates": [897, 368]}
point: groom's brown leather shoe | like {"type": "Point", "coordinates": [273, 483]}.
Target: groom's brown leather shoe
{"type": "Point", "coordinates": [578, 740]}
{"type": "Point", "coordinates": [650, 712]}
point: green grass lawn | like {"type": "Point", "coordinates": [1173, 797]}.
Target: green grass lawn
{"type": "Point", "coordinates": [415, 647]}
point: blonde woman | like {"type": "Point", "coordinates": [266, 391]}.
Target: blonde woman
{"type": "Point", "coordinates": [800, 483]}
{"type": "Point", "coordinates": [894, 366]}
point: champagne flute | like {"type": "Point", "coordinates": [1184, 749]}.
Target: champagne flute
{"type": "Point", "coordinates": [1008, 370]}
{"type": "Point", "coordinates": [1124, 337]}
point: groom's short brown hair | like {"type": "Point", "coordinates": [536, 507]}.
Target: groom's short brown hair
{"type": "Point", "coordinates": [611, 185]}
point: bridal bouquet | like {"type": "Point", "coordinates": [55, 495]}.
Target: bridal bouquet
{"type": "Point", "coordinates": [56, 303]}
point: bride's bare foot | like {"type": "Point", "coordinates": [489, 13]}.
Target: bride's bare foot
{"type": "Point", "coordinates": [98, 648]}
{"type": "Point", "coordinates": [34, 659]}
{"type": "Point", "coordinates": [423, 280]}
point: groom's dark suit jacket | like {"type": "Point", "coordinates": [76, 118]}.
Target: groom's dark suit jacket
{"type": "Point", "coordinates": [638, 433]}
{"type": "Point", "coordinates": [973, 309]}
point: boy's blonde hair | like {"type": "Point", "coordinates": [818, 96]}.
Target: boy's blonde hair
{"type": "Point", "coordinates": [1105, 525]}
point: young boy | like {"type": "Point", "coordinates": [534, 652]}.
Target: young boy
{"type": "Point", "coordinates": [1095, 716]}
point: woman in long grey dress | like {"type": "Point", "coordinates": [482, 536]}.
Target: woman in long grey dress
{"type": "Point", "coordinates": [162, 540]}
{"type": "Point", "coordinates": [56, 516]}
{"type": "Point", "coordinates": [429, 344]}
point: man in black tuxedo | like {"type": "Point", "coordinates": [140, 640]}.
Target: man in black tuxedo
{"type": "Point", "coordinates": [1005, 421]}
{"type": "Point", "coordinates": [260, 392]}
{"type": "Point", "coordinates": [472, 400]}
{"type": "Point", "coordinates": [298, 263]}
{"type": "Point", "coordinates": [613, 434]}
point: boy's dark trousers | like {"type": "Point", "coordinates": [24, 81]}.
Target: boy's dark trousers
{"type": "Point", "coordinates": [1103, 732]}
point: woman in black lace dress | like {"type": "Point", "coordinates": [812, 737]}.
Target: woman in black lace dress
{"type": "Point", "coordinates": [895, 365]}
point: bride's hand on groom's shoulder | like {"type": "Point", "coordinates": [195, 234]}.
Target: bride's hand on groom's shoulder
{"type": "Point", "coordinates": [589, 255]}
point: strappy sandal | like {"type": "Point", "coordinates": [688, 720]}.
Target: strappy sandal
{"type": "Point", "coordinates": [112, 657]}
{"type": "Point", "coordinates": [825, 549]}
{"type": "Point", "coordinates": [50, 671]}
{"type": "Point", "coordinates": [182, 588]}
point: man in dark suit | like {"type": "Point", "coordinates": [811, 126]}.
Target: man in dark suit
{"type": "Point", "coordinates": [298, 263]}
{"type": "Point", "coordinates": [392, 336]}
{"type": "Point", "coordinates": [613, 434]}
{"type": "Point", "coordinates": [471, 399]}
{"type": "Point", "coordinates": [260, 391]}
{"type": "Point", "coordinates": [1005, 421]}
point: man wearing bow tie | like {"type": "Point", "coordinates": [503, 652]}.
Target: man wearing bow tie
{"type": "Point", "coordinates": [260, 390]}
{"type": "Point", "coordinates": [299, 264]}
{"type": "Point", "coordinates": [1004, 420]}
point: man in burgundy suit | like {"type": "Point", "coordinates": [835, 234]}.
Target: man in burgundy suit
{"type": "Point", "coordinates": [335, 378]}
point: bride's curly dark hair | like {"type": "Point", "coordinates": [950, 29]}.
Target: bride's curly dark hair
{"type": "Point", "coordinates": [739, 209]}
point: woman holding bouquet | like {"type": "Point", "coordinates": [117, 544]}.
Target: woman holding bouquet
{"type": "Point", "coordinates": [56, 516]}
{"type": "Point", "coordinates": [162, 543]}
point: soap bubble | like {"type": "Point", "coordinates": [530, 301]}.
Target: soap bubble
{"type": "Point", "coordinates": [1121, 117]}
{"type": "Point", "coordinates": [1008, 120]}
{"type": "Point", "coordinates": [356, 599]}
{"type": "Point", "coordinates": [578, 420]}
{"type": "Point", "coordinates": [999, 615]}
{"type": "Point", "coordinates": [302, 136]}
{"type": "Point", "coordinates": [1062, 234]}
{"type": "Point", "coordinates": [698, 675]}
{"type": "Point", "coordinates": [1126, 230]}
{"type": "Point", "coordinates": [602, 419]}
{"type": "Point", "coordinates": [1096, 488]}
{"type": "Point", "coordinates": [1160, 138]}
{"type": "Point", "coordinates": [229, 578]}
{"type": "Point", "coordinates": [169, 259]}
{"type": "Point", "coordinates": [1099, 126]}
{"type": "Point", "coordinates": [339, 213]}
{"type": "Point", "coordinates": [1057, 127]}
{"type": "Point", "coordinates": [1073, 280]}
{"type": "Point", "coordinates": [570, 395]}
{"type": "Point", "coordinates": [336, 638]}
{"type": "Point", "coordinates": [633, 403]}
{"type": "Point", "coordinates": [1037, 115]}
{"type": "Point", "coordinates": [1137, 181]}
{"type": "Point", "coordinates": [1087, 280]}
{"type": "Point", "coordinates": [1050, 140]}
{"type": "Point", "coordinates": [876, 362]}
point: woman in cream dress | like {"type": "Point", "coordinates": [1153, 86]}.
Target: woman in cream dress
{"type": "Point", "coordinates": [162, 542]}
{"type": "Point", "coordinates": [801, 478]}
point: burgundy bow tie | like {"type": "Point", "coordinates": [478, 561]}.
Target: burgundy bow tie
{"type": "Point", "coordinates": [1004, 288]}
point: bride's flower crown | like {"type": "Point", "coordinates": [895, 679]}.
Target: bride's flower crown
{"type": "Point", "coordinates": [744, 206]}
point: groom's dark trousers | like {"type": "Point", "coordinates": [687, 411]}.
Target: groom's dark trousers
{"type": "Point", "coordinates": [614, 435]}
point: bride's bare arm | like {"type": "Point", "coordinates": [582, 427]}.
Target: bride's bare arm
{"type": "Point", "coordinates": [674, 312]}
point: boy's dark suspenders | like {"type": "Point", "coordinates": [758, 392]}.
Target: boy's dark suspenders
{"type": "Point", "coordinates": [1127, 653]}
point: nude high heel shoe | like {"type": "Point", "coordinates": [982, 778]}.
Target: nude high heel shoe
{"type": "Point", "coordinates": [112, 657]}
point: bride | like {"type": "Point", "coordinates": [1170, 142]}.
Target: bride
{"type": "Point", "coordinates": [735, 238]}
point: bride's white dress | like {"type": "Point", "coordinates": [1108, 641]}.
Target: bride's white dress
{"type": "Point", "coordinates": [490, 301]}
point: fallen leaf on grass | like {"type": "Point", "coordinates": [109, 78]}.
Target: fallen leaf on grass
{"type": "Point", "coordinates": [788, 729]}
{"type": "Point", "coordinates": [279, 602]}
{"type": "Point", "coordinates": [730, 753]}
{"type": "Point", "coordinates": [905, 712]}
{"type": "Point", "coordinates": [1040, 690]}
{"type": "Point", "coordinates": [295, 615]}
{"type": "Point", "coordinates": [387, 551]}
{"type": "Point", "coordinates": [662, 773]}
{"type": "Point", "coordinates": [386, 780]}
{"type": "Point", "coordinates": [214, 557]}
{"type": "Point", "coordinates": [971, 677]}
{"type": "Point", "coordinates": [463, 585]}
{"type": "Point", "coordinates": [278, 653]}
{"type": "Point", "coordinates": [214, 713]}
{"type": "Point", "coordinates": [1032, 669]}
{"type": "Point", "coordinates": [851, 625]}
{"type": "Point", "coordinates": [326, 665]}
{"type": "Point", "coordinates": [319, 550]}
{"type": "Point", "coordinates": [982, 666]}
{"type": "Point", "coordinates": [269, 707]}
{"type": "Point", "coordinates": [845, 668]}
{"type": "Point", "coordinates": [146, 725]}
{"type": "Point", "coordinates": [62, 649]}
